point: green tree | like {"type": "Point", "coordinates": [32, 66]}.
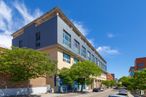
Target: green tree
{"type": "Point", "coordinates": [65, 75]}
{"type": "Point", "coordinates": [24, 64]}
{"type": "Point", "coordinates": [128, 82]}
{"type": "Point", "coordinates": [140, 79]}
{"type": "Point", "coordinates": [109, 83]}
{"type": "Point", "coordinates": [83, 72]}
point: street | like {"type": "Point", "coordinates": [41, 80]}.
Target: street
{"type": "Point", "coordinates": [105, 93]}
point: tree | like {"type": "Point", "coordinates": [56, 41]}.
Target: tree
{"type": "Point", "coordinates": [128, 82]}
{"type": "Point", "coordinates": [109, 83]}
{"type": "Point", "coordinates": [22, 64]}
{"type": "Point", "coordinates": [65, 75]}
{"type": "Point", "coordinates": [140, 79]}
{"type": "Point", "coordinates": [82, 72]}
{"type": "Point", "coordinates": [125, 81]}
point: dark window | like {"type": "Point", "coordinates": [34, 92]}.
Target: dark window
{"type": "Point", "coordinates": [20, 43]}
{"type": "Point", "coordinates": [66, 38]}
{"type": "Point", "coordinates": [66, 57]}
{"type": "Point", "coordinates": [140, 65]}
{"type": "Point", "coordinates": [89, 55]}
{"type": "Point", "coordinates": [76, 60]}
{"type": "Point", "coordinates": [37, 36]}
{"type": "Point", "coordinates": [83, 51]}
{"type": "Point", "coordinates": [76, 46]}
{"type": "Point", "coordinates": [37, 44]}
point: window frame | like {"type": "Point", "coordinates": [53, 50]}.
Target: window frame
{"type": "Point", "coordinates": [65, 59]}
{"type": "Point", "coordinates": [67, 42]}
{"type": "Point", "coordinates": [76, 45]}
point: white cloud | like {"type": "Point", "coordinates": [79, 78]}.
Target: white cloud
{"type": "Point", "coordinates": [5, 17]}
{"type": "Point", "coordinates": [106, 50]}
{"type": "Point", "coordinates": [10, 23]}
{"type": "Point", "coordinates": [110, 35]}
{"type": "Point", "coordinates": [25, 13]}
{"type": "Point", "coordinates": [5, 41]}
{"type": "Point", "coordinates": [80, 27]}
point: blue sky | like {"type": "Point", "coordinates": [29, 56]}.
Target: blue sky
{"type": "Point", "coordinates": [116, 28]}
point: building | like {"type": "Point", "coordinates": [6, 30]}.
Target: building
{"type": "Point", "coordinates": [140, 64]}
{"type": "Point", "coordinates": [110, 76]}
{"type": "Point", "coordinates": [56, 35]}
{"type": "Point", "coordinates": [131, 71]}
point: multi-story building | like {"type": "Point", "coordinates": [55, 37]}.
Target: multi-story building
{"type": "Point", "coordinates": [140, 64]}
{"type": "Point", "coordinates": [109, 76]}
{"type": "Point", "coordinates": [131, 71]}
{"type": "Point", "coordinates": [56, 35]}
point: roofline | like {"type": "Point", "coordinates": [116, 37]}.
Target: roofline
{"type": "Point", "coordinates": [56, 11]}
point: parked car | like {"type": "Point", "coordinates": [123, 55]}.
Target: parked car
{"type": "Point", "coordinates": [96, 89]}
{"type": "Point", "coordinates": [117, 96]}
{"type": "Point", "coordinates": [123, 92]}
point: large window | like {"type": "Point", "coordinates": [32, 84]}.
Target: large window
{"type": "Point", "coordinates": [37, 35]}
{"type": "Point", "coordinates": [93, 58]}
{"type": "Point", "coordinates": [37, 39]}
{"type": "Point", "coordinates": [66, 38]}
{"type": "Point", "coordinates": [66, 57]}
{"type": "Point", "coordinates": [76, 60]}
{"type": "Point", "coordinates": [20, 43]}
{"type": "Point", "coordinates": [89, 55]}
{"type": "Point", "coordinates": [76, 46]}
{"type": "Point", "coordinates": [140, 65]}
{"type": "Point", "coordinates": [83, 51]}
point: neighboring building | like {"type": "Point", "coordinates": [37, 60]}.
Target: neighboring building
{"type": "Point", "coordinates": [131, 71]}
{"type": "Point", "coordinates": [140, 64]}
{"type": "Point", "coordinates": [56, 35]}
{"type": "Point", "coordinates": [110, 76]}
{"type": "Point", "coordinates": [113, 76]}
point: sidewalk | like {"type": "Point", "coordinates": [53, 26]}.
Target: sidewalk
{"type": "Point", "coordinates": [129, 94]}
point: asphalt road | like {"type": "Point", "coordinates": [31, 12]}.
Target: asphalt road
{"type": "Point", "coordinates": [105, 93]}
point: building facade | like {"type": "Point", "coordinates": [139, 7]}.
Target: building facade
{"type": "Point", "coordinates": [56, 35]}
{"type": "Point", "coordinates": [110, 76]}
{"type": "Point", "coordinates": [131, 71]}
{"type": "Point", "coordinates": [140, 64]}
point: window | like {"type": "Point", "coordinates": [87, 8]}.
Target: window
{"type": "Point", "coordinates": [76, 60]}
{"type": "Point", "coordinates": [96, 60]}
{"type": "Point", "coordinates": [37, 39]}
{"type": "Point", "coordinates": [93, 58]}
{"type": "Point", "coordinates": [37, 44]}
{"type": "Point", "coordinates": [37, 35]}
{"type": "Point", "coordinates": [76, 46]}
{"type": "Point", "coordinates": [83, 51]}
{"type": "Point", "coordinates": [66, 57]}
{"type": "Point", "coordinates": [140, 65]}
{"type": "Point", "coordinates": [66, 39]}
{"type": "Point", "coordinates": [20, 43]}
{"type": "Point", "coordinates": [89, 55]}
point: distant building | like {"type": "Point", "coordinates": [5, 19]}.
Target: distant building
{"type": "Point", "coordinates": [140, 64]}
{"type": "Point", "coordinates": [113, 76]}
{"type": "Point", "coordinates": [110, 76]}
{"type": "Point", "coordinates": [131, 71]}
